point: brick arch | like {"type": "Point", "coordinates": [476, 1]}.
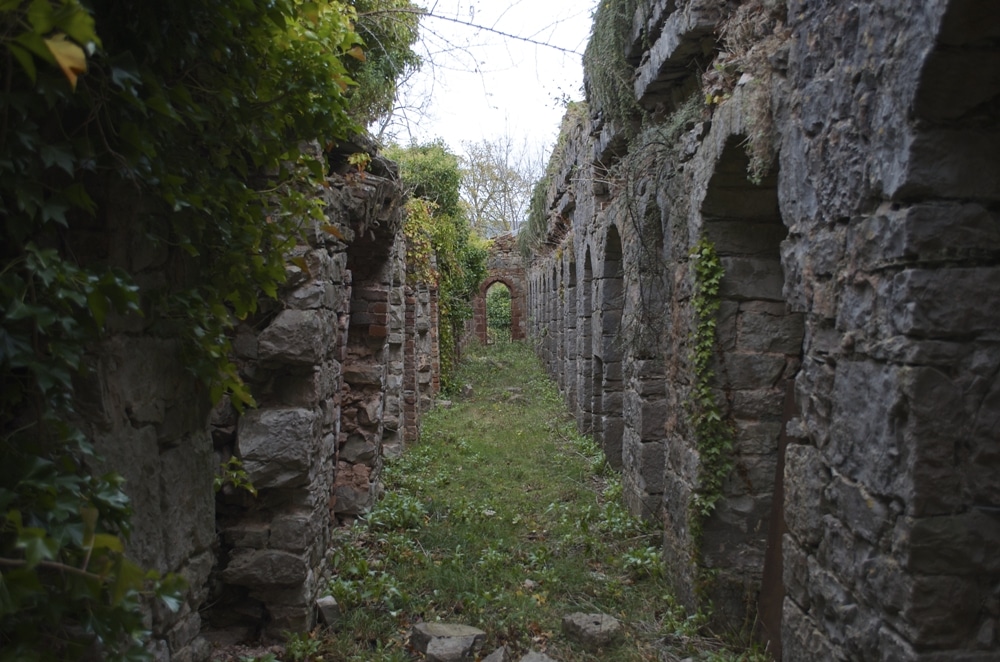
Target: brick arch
{"type": "Point", "coordinates": [517, 331]}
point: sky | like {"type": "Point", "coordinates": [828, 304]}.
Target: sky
{"type": "Point", "coordinates": [479, 85]}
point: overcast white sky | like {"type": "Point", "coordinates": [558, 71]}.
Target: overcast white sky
{"type": "Point", "coordinates": [482, 85]}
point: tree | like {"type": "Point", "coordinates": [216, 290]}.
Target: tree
{"type": "Point", "coordinates": [457, 257]}
{"type": "Point", "coordinates": [388, 29]}
{"type": "Point", "coordinates": [497, 178]}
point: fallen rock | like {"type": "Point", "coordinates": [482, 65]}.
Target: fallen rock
{"type": "Point", "coordinates": [329, 611]}
{"type": "Point", "coordinates": [447, 642]}
{"type": "Point", "coordinates": [535, 656]}
{"type": "Point", "coordinates": [499, 655]}
{"type": "Point", "coordinates": [592, 631]}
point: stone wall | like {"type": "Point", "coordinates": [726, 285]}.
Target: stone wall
{"type": "Point", "coordinates": [342, 365]}
{"type": "Point", "coordinates": [856, 354]}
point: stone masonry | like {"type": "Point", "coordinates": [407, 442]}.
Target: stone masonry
{"type": "Point", "coordinates": [342, 365]}
{"type": "Point", "coordinates": [857, 357]}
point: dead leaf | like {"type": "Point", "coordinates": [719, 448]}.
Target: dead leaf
{"type": "Point", "coordinates": [70, 57]}
{"type": "Point", "coordinates": [357, 53]}
{"type": "Point", "coordinates": [333, 230]}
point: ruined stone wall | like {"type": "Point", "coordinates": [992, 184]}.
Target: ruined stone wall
{"type": "Point", "coordinates": [342, 365]}
{"type": "Point", "coordinates": [856, 354]}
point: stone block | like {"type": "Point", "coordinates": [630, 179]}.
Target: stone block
{"type": "Point", "coordinates": [363, 375]}
{"type": "Point", "coordinates": [358, 450]}
{"type": "Point", "coordinates": [652, 420]}
{"type": "Point", "coordinates": [757, 438]}
{"type": "Point", "coordinates": [294, 532]}
{"type": "Point", "coordinates": [946, 302]}
{"type": "Point", "coordinates": [265, 568]}
{"type": "Point", "coordinates": [943, 611]}
{"type": "Point", "coordinates": [806, 478]}
{"type": "Point", "coordinates": [764, 405]}
{"type": "Point", "coordinates": [751, 278]}
{"type": "Point", "coordinates": [951, 164]}
{"type": "Point", "coordinates": [247, 534]}
{"type": "Point", "coordinates": [745, 237]}
{"type": "Point", "coordinates": [652, 460]}
{"type": "Point", "coordinates": [447, 642]}
{"type": "Point", "coordinates": [963, 544]}
{"type": "Point", "coordinates": [934, 431]}
{"type": "Point", "coordinates": [751, 371]}
{"type": "Point", "coordinates": [592, 631]}
{"type": "Point", "coordinates": [865, 427]}
{"type": "Point", "coordinates": [763, 332]}
{"type": "Point", "coordinates": [294, 337]}
{"type": "Point", "coordinates": [870, 518]}
{"type": "Point", "coordinates": [277, 446]}
{"type": "Point", "coordinates": [330, 612]}
{"type": "Point", "coordinates": [924, 233]}
{"type": "Point", "coordinates": [289, 618]}
{"type": "Point", "coordinates": [312, 295]}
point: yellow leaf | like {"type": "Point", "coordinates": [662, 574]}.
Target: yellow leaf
{"type": "Point", "coordinates": [70, 57]}
{"type": "Point", "coordinates": [357, 53]}
{"type": "Point", "coordinates": [333, 230]}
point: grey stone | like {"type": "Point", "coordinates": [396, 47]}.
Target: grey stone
{"type": "Point", "coordinates": [265, 568]}
{"type": "Point", "coordinates": [535, 656]}
{"type": "Point", "coordinates": [447, 642]}
{"type": "Point", "coordinates": [592, 631]}
{"type": "Point", "coordinates": [499, 655]}
{"type": "Point", "coordinates": [358, 450]}
{"type": "Point", "coordinates": [277, 446]}
{"type": "Point", "coordinates": [295, 337]}
{"type": "Point", "coordinates": [329, 611]}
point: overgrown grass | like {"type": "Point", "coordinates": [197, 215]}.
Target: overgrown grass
{"type": "Point", "coordinates": [504, 518]}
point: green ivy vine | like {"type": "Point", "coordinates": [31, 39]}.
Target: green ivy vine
{"type": "Point", "coordinates": [176, 128]}
{"type": "Point", "coordinates": [713, 434]}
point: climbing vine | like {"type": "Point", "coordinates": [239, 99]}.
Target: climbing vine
{"type": "Point", "coordinates": [175, 127]}
{"type": "Point", "coordinates": [712, 431]}
{"type": "Point", "coordinates": [440, 240]}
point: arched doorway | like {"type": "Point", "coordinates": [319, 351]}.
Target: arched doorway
{"type": "Point", "coordinates": [498, 313]}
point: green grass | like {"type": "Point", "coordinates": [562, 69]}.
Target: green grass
{"type": "Point", "coordinates": [504, 518]}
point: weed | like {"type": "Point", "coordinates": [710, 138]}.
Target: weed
{"type": "Point", "coordinates": [498, 519]}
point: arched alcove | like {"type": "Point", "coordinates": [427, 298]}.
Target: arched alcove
{"type": "Point", "coordinates": [608, 348]}
{"type": "Point", "coordinates": [758, 350]}
{"type": "Point", "coordinates": [585, 348]}
{"type": "Point", "coordinates": [570, 339]}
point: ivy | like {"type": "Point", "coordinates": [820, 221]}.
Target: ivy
{"type": "Point", "coordinates": [441, 242]}
{"type": "Point", "coordinates": [714, 437]}
{"type": "Point", "coordinates": [176, 127]}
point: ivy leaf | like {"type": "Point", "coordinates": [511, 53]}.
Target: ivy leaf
{"type": "Point", "coordinates": [25, 59]}
{"type": "Point", "coordinates": [55, 155]}
{"type": "Point", "coordinates": [70, 57]}
{"type": "Point", "coordinates": [357, 53]}
{"type": "Point", "coordinates": [98, 305]}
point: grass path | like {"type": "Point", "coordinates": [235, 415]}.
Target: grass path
{"type": "Point", "coordinates": [503, 518]}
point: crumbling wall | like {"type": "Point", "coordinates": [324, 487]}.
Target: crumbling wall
{"type": "Point", "coordinates": [855, 360]}
{"type": "Point", "coordinates": [333, 364]}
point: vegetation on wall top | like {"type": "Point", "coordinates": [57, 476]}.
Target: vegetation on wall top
{"type": "Point", "coordinates": [608, 75]}
{"type": "Point", "coordinates": [532, 234]}
{"type": "Point", "coordinates": [178, 126]}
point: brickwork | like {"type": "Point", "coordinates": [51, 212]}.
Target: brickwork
{"type": "Point", "coordinates": [504, 265]}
